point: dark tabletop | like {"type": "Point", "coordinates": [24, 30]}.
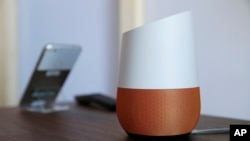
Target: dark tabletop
{"type": "Point", "coordinates": [84, 124]}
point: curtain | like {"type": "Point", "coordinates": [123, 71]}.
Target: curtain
{"type": "Point", "coordinates": [131, 14]}
{"type": "Point", "coordinates": [8, 53]}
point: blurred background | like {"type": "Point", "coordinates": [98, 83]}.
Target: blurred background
{"type": "Point", "coordinates": [222, 41]}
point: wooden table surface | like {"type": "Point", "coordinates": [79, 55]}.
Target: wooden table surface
{"type": "Point", "coordinates": [84, 124]}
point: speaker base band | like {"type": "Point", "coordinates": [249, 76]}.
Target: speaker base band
{"type": "Point", "coordinates": [158, 112]}
{"type": "Point", "coordinates": [182, 137]}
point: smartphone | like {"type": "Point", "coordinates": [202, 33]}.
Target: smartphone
{"type": "Point", "coordinates": [52, 68]}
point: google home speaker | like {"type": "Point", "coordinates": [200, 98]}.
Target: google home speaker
{"type": "Point", "coordinates": [158, 94]}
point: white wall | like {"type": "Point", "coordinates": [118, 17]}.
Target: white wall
{"type": "Point", "coordinates": [90, 23]}
{"type": "Point", "coordinates": [222, 33]}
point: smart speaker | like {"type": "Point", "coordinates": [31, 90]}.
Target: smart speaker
{"type": "Point", "coordinates": [158, 93]}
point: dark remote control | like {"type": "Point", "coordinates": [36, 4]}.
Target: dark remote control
{"type": "Point", "coordinates": [97, 100]}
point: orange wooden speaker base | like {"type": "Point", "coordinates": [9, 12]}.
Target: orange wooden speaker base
{"type": "Point", "coordinates": [158, 112]}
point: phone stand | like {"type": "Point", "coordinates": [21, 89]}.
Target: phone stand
{"type": "Point", "coordinates": [41, 106]}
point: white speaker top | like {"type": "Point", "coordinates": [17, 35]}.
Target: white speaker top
{"type": "Point", "coordinates": [159, 55]}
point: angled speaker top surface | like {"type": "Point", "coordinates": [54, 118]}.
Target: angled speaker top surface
{"type": "Point", "coordinates": [159, 55]}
